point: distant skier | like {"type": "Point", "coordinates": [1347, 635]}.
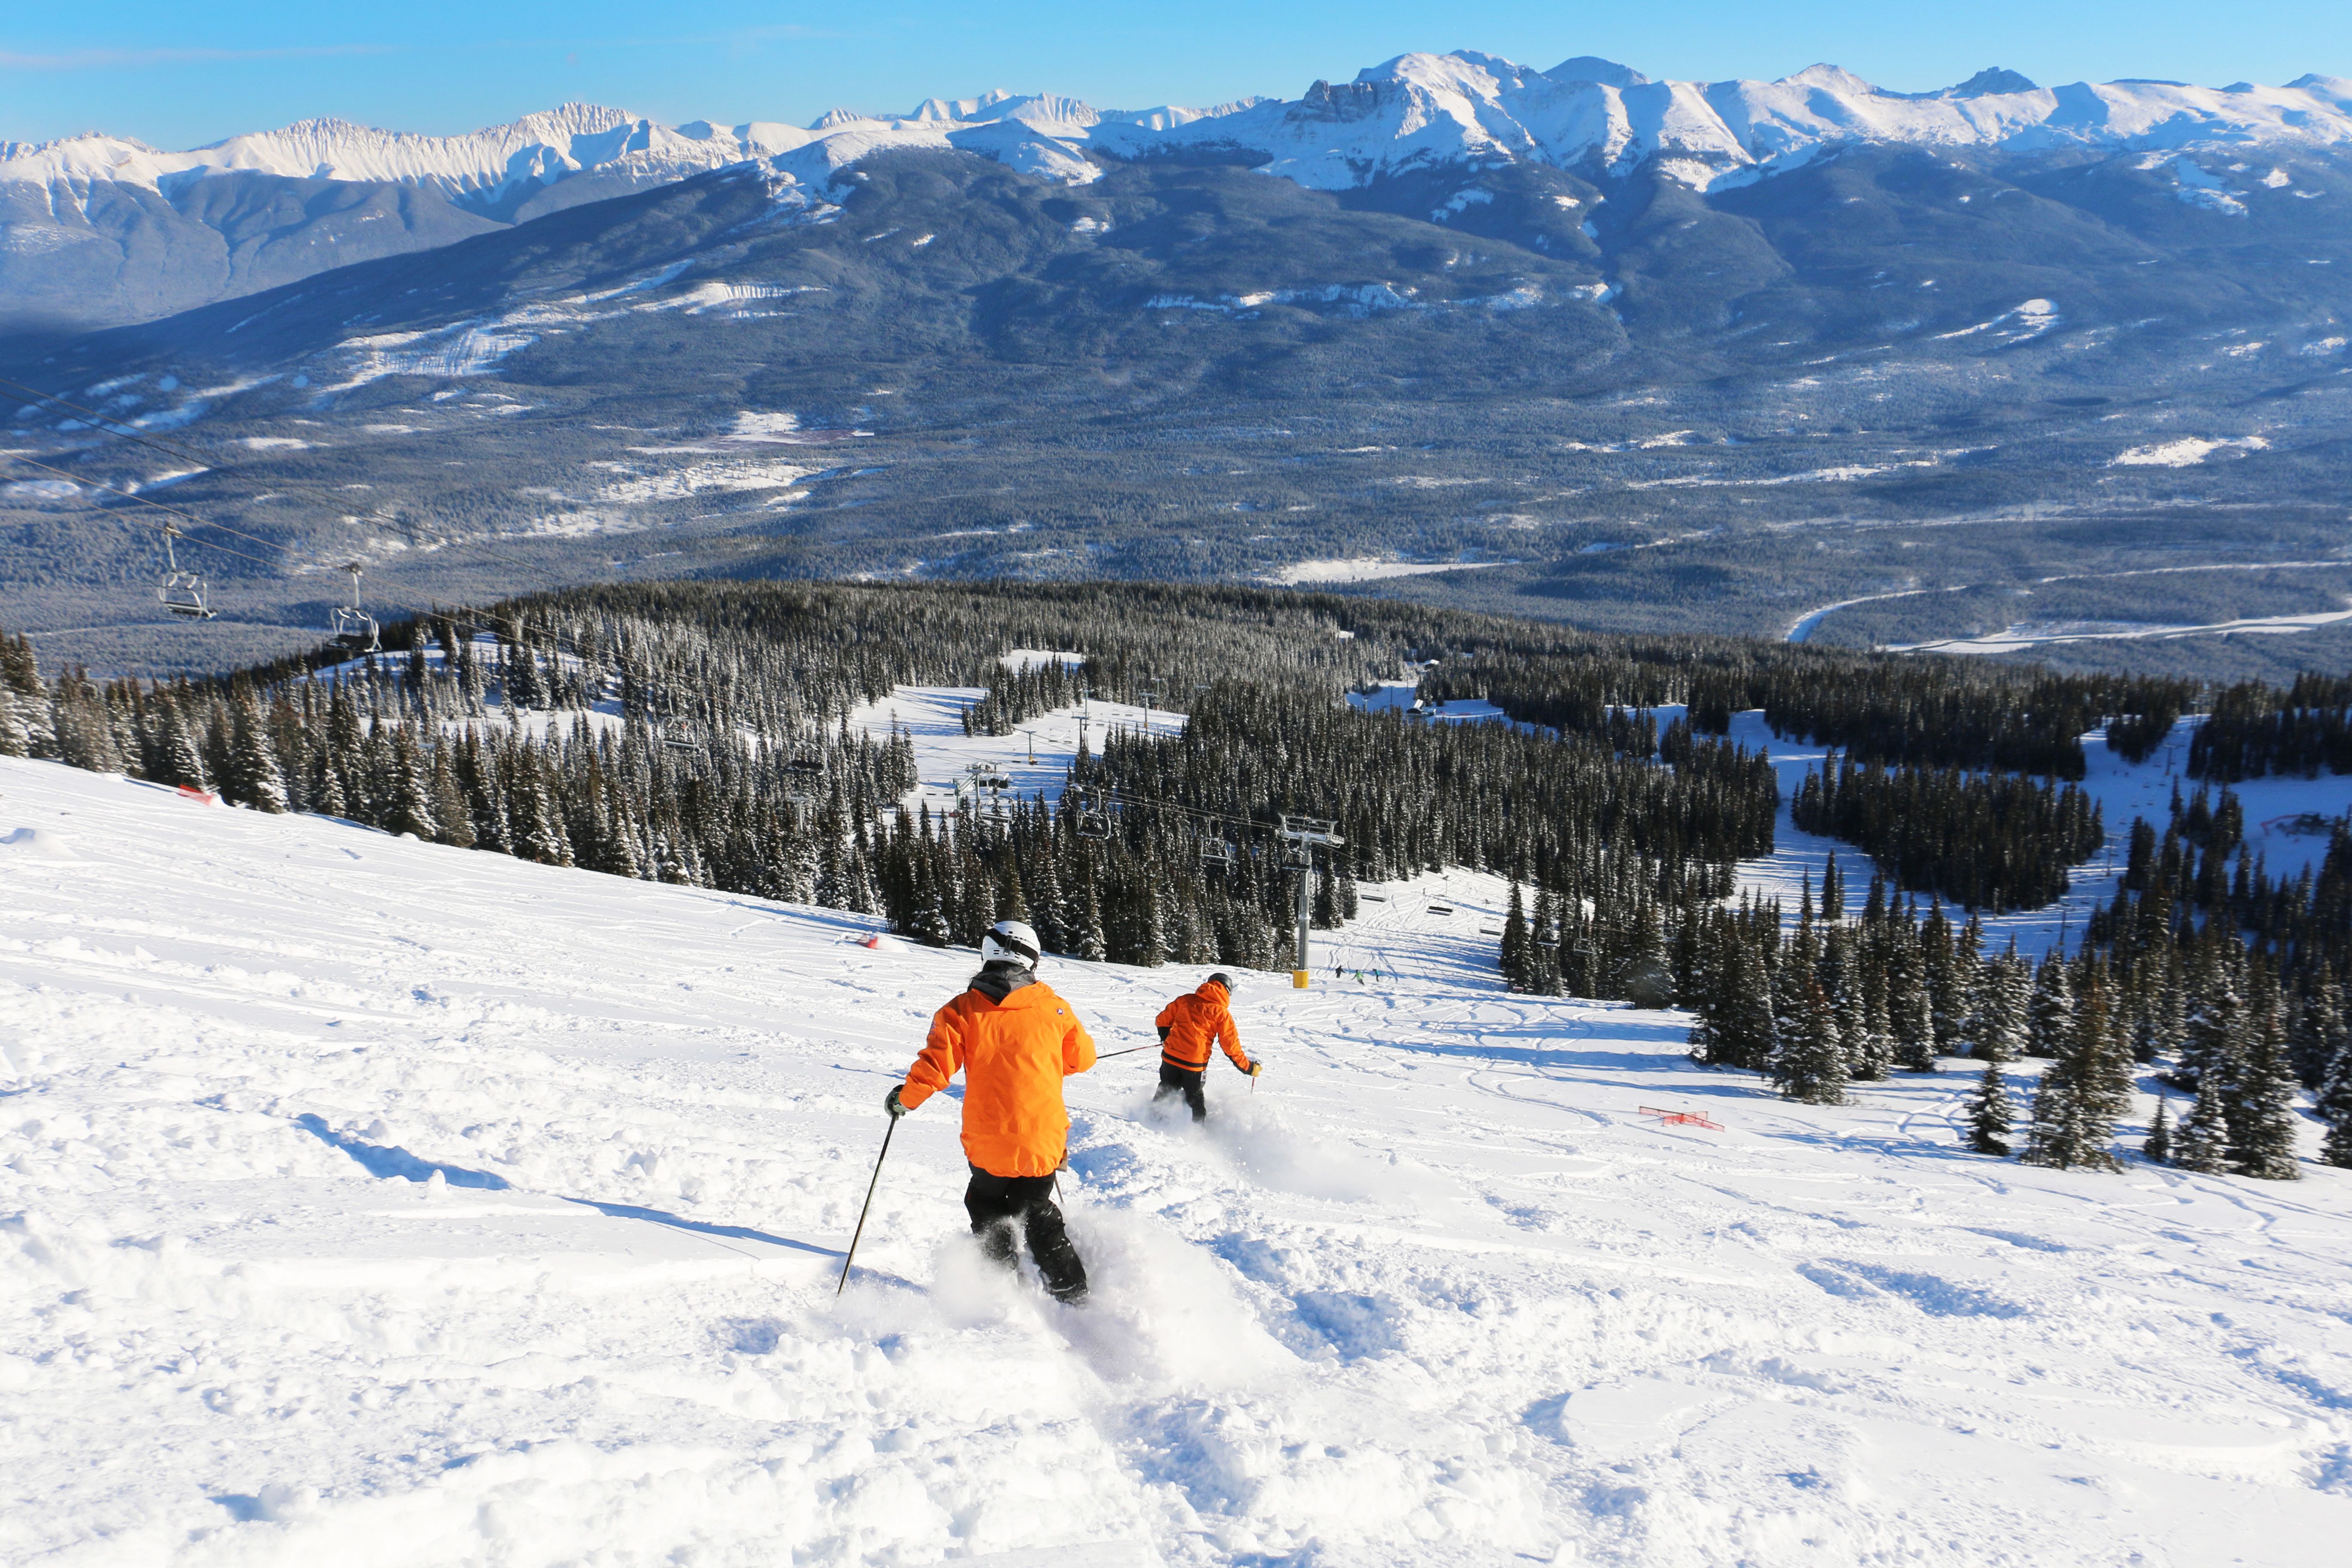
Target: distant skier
{"type": "Point", "coordinates": [1188, 1026]}
{"type": "Point", "coordinates": [1014, 1041]}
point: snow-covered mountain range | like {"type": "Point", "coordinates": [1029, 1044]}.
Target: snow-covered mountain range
{"type": "Point", "coordinates": [96, 230]}
{"type": "Point", "coordinates": [1414, 110]}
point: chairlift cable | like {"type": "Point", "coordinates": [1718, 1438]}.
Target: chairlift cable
{"type": "Point", "coordinates": [276, 566]}
{"type": "Point", "coordinates": [195, 522]}
{"type": "Point", "coordinates": [189, 517]}
{"type": "Point", "coordinates": [160, 528]}
{"type": "Point", "coordinates": [168, 530]}
{"type": "Point", "coordinates": [109, 425]}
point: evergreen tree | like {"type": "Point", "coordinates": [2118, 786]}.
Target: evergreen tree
{"type": "Point", "coordinates": [1093, 946]}
{"type": "Point", "coordinates": [253, 777]}
{"type": "Point", "coordinates": [1514, 962]}
{"type": "Point", "coordinates": [1011, 904]}
{"type": "Point", "coordinates": [1911, 1009]}
{"type": "Point", "coordinates": [2201, 1143]}
{"type": "Point", "coordinates": [412, 804]}
{"type": "Point", "coordinates": [1989, 1112]}
{"type": "Point", "coordinates": [2007, 994]}
{"type": "Point", "coordinates": [1736, 1027]}
{"type": "Point", "coordinates": [2316, 1036]}
{"type": "Point", "coordinates": [2335, 1109]}
{"type": "Point", "coordinates": [2050, 1016]}
{"type": "Point", "coordinates": [184, 763]}
{"type": "Point", "coordinates": [2071, 1123]}
{"type": "Point", "coordinates": [85, 735]}
{"type": "Point", "coordinates": [1810, 1067]}
{"type": "Point", "coordinates": [1045, 899]}
{"type": "Point", "coordinates": [1850, 1006]}
{"type": "Point", "coordinates": [2259, 1109]}
{"type": "Point", "coordinates": [2157, 1150]}
{"type": "Point", "coordinates": [1947, 989]}
{"type": "Point", "coordinates": [1752, 1033]}
{"type": "Point", "coordinates": [2215, 1037]}
{"type": "Point", "coordinates": [328, 799]}
{"type": "Point", "coordinates": [1150, 948]}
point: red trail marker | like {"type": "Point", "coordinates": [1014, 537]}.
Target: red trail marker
{"type": "Point", "coordinates": [1681, 1118]}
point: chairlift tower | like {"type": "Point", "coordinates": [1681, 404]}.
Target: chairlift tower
{"type": "Point", "coordinates": [989, 783]}
{"type": "Point", "coordinates": [1299, 836]}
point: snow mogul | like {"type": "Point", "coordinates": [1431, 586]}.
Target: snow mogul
{"type": "Point", "coordinates": [1188, 1026]}
{"type": "Point", "coordinates": [1014, 1041]}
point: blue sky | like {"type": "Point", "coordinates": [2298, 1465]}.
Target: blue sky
{"type": "Point", "coordinates": [178, 75]}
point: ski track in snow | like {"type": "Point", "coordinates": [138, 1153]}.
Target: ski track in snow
{"type": "Point", "coordinates": [374, 1202]}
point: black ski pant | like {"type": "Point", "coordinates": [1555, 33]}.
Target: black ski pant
{"type": "Point", "coordinates": [995, 1201]}
{"type": "Point", "coordinates": [1175, 1080]}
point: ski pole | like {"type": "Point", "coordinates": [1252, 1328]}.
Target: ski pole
{"type": "Point", "coordinates": [1129, 1052]}
{"type": "Point", "coordinates": [851, 1255]}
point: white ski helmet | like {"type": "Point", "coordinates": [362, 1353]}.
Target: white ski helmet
{"type": "Point", "coordinates": [1011, 942]}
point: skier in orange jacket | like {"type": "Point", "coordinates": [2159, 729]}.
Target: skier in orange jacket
{"type": "Point", "coordinates": [1188, 1026]}
{"type": "Point", "coordinates": [1014, 1041]}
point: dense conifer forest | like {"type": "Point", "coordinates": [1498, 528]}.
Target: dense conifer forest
{"type": "Point", "coordinates": [1995, 842]}
{"type": "Point", "coordinates": [2255, 730]}
{"type": "Point", "coordinates": [699, 733]}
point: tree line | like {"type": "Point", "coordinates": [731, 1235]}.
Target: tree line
{"type": "Point", "coordinates": [2255, 730]}
{"type": "Point", "coordinates": [1923, 711]}
{"type": "Point", "coordinates": [1995, 842]}
{"type": "Point", "coordinates": [2228, 984]}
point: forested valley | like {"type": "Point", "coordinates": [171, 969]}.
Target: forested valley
{"type": "Point", "coordinates": [703, 733]}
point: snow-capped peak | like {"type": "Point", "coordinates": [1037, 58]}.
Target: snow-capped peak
{"type": "Point", "coordinates": [1592, 67]}
{"type": "Point", "coordinates": [2334, 89]}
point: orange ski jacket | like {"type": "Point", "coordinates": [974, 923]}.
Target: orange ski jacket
{"type": "Point", "coordinates": [1014, 1054]}
{"type": "Point", "coordinates": [1192, 1021]}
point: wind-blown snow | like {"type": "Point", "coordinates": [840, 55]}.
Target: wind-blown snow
{"type": "Point", "coordinates": [373, 1202]}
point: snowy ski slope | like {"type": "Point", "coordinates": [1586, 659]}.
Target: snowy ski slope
{"type": "Point", "coordinates": [371, 1202]}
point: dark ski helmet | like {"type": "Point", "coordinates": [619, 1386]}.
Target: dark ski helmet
{"type": "Point", "coordinates": [1224, 979]}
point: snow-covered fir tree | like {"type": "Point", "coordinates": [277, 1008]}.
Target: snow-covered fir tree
{"type": "Point", "coordinates": [1810, 1066]}
{"type": "Point", "coordinates": [2073, 1119]}
{"type": "Point", "coordinates": [1989, 1111]}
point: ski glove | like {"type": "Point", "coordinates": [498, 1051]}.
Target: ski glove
{"type": "Point", "coordinates": [1257, 1068]}
{"type": "Point", "coordinates": [891, 1102]}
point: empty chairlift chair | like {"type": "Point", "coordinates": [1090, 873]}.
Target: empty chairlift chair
{"type": "Point", "coordinates": [182, 592]}
{"type": "Point", "coordinates": [1093, 817]}
{"type": "Point", "coordinates": [353, 628]}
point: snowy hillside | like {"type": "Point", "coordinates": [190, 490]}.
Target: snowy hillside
{"type": "Point", "coordinates": [377, 1202]}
